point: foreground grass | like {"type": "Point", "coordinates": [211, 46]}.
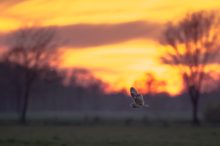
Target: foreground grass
{"type": "Point", "coordinates": [15, 135]}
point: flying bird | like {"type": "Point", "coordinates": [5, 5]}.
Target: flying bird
{"type": "Point", "coordinates": [138, 99]}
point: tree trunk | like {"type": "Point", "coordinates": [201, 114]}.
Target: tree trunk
{"type": "Point", "coordinates": [194, 95]}
{"type": "Point", "coordinates": [23, 118]}
{"type": "Point", "coordinates": [18, 99]}
{"type": "Point", "coordinates": [195, 119]}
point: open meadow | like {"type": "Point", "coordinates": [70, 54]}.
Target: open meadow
{"type": "Point", "coordinates": [109, 135]}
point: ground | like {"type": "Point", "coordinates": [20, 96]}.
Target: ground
{"type": "Point", "coordinates": [109, 135]}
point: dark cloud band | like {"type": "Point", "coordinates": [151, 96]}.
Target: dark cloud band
{"type": "Point", "coordinates": [90, 35]}
{"type": "Point", "coordinates": [87, 35]}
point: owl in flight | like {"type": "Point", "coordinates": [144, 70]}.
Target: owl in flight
{"type": "Point", "coordinates": [138, 100]}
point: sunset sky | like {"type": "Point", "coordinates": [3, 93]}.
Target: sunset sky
{"type": "Point", "coordinates": [117, 40]}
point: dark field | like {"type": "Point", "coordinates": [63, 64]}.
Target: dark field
{"type": "Point", "coordinates": [109, 135]}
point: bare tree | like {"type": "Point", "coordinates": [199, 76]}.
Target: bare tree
{"type": "Point", "coordinates": [194, 45]}
{"type": "Point", "coordinates": [151, 84]}
{"type": "Point", "coordinates": [34, 50]}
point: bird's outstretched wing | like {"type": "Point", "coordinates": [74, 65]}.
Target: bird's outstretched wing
{"type": "Point", "coordinates": [133, 92]}
{"type": "Point", "coordinates": [138, 99]}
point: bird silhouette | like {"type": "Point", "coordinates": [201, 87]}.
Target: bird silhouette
{"type": "Point", "coordinates": [138, 99]}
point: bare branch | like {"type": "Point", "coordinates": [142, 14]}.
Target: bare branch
{"type": "Point", "coordinates": [198, 36]}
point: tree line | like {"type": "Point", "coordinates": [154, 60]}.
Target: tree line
{"type": "Point", "coordinates": [192, 45]}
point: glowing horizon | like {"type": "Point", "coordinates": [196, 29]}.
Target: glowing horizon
{"type": "Point", "coordinates": [121, 61]}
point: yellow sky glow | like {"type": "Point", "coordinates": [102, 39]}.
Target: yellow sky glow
{"type": "Point", "coordinates": [118, 64]}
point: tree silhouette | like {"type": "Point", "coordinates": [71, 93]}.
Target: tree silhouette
{"type": "Point", "coordinates": [33, 49]}
{"type": "Point", "coordinates": [194, 45]}
{"type": "Point", "coordinates": [89, 88]}
{"type": "Point", "coordinates": [150, 84]}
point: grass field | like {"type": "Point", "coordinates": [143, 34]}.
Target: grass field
{"type": "Point", "coordinates": [109, 135]}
